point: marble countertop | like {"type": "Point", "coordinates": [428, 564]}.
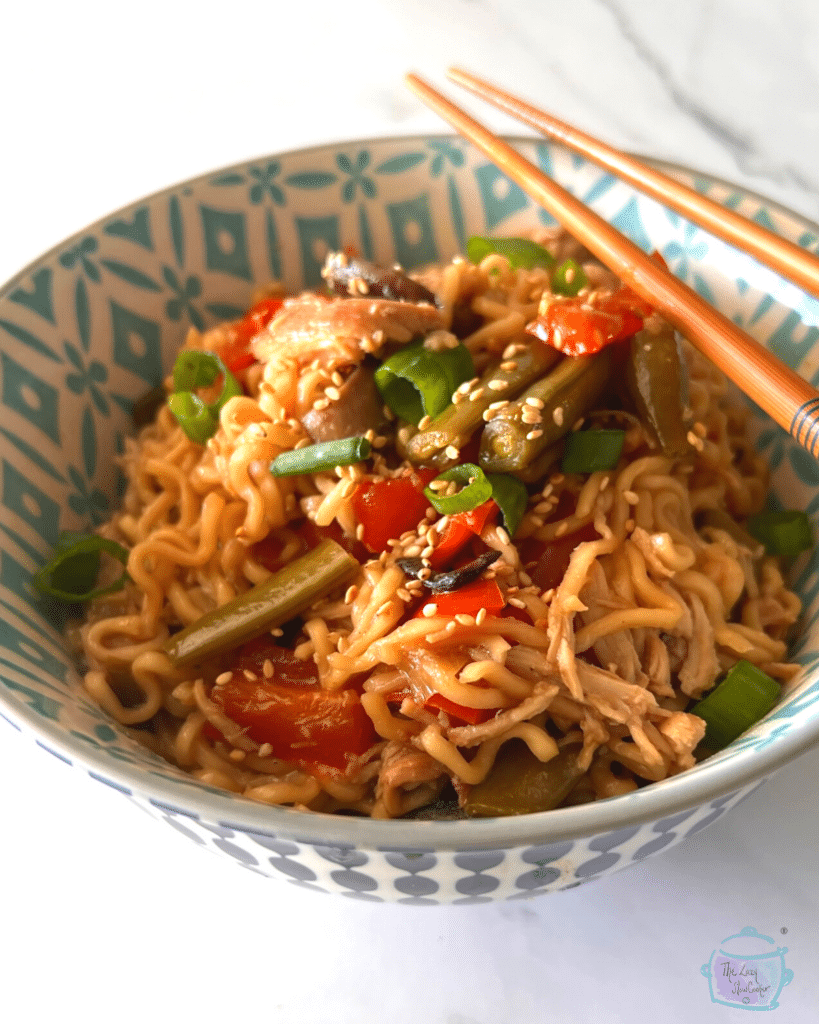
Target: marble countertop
{"type": "Point", "coordinates": [103, 914]}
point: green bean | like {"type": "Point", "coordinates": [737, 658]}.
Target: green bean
{"type": "Point", "coordinates": [456, 424]}
{"type": "Point", "coordinates": [511, 441]}
{"type": "Point", "coordinates": [315, 458]}
{"type": "Point", "coordinates": [659, 387]}
{"type": "Point", "coordinates": [269, 604]}
{"type": "Point", "coordinates": [518, 783]}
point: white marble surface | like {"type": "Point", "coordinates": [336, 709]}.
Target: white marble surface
{"type": "Point", "coordinates": [105, 915]}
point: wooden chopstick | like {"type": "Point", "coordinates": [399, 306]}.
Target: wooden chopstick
{"type": "Point", "coordinates": [781, 392]}
{"type": "Point", "coordinates": [786, 258]}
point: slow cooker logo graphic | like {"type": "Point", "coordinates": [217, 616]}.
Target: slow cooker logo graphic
{"type": "Point", "coordinates": [747, 971]}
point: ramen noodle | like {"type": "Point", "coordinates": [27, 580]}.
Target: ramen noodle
{"type": "Point", "coordinates": [581, 642]}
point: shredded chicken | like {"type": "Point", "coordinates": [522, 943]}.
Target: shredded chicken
{"type": "Point", "coordinates": [341, 332]}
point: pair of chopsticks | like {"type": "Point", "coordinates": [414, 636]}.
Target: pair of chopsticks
{"type": "Point", "coordinates": [777, 389]}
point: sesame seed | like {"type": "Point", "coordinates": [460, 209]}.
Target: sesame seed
{"type": "Point", "coordinates": [499, 405]}
{"type": "Point", "coordinates": [561, 529]}
{"type": "Point", "coordinates": [479, 618]}
{"type": "Point", "coordinates": [359, 532]}
{"type": "Point", "coordinates": [424, 422]}
{"type": "Point", "coordinates": [429, 610]}
{"type": "Point", "coordinates": [250, 676]}
{"type": "Point", "coordinates": [225, 677]}
{"type": "Point", "coordinates": [267, 669]}
{"type": "Point", "coordinates": [475, 395]}
{"type": "Point", "coordinates": [509, 365]}
{"type": "Point", "coordinates": [497, 385]}
{"type": "Point", "coordinates": [385, 607]}
{"type": "Point", "coordinates": [557, 416]}
{"type": "Point", "coordinates": [452, 452]}
{"type": "Point", "coordinates": [533, 435]}
{"type": "Point", "coordinates": [332, 393]}
{"type": "Point", "coordinates": [535, 402]}
{"type": "Point", "coordinates": [424, 574]}
{"type": "Point", "coordinates": [321, 404]}
{"type": "Point", "coordinates": [631, 497]}
{"type": "Point", "coordinates": [277, 632]}
{"type": "Point", "coordinates": [694, 441]}
{"type": "Point", "coordinates": [516, 602]}
{"type": "Point", "coordinates": [265, 750]}
{"type": "Point", "coordinates": [464, 620]}
{"type": "Point", "coordinates": [237, 755]}
{"type": "Point", "coordinates": [403, 594]}
{"type": "Point", "coordinates": [503, 536]}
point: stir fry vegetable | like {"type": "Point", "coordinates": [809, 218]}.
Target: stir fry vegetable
{"type": "Point", "coordinates": [315, 458]}
{"type": "Point", "coordinates": [519, 783]}
{"type": "Point", "coordinates": [72, 572]}
{"type": "Point", "coordinates": [515, 438]}
{"type": "Point", "coordinates": [194, 369]}
{"type": "Point", "coordinates": [267, 605]}
{"type": "Point", "coordinates": [319, 730]}
{"type": "Point", "coordinates": [475, 489]}
{"type": "Point", "coordinates": [588, 451]}
{"type": "Point", "coordinates": [521, 252]}
{"type": "Point", "coordinates": [351, 275]}
{"type": "Point", "coordinates": [418, 381]}
{"type": "Point", "coordinates": [499, 384]}
{"type": "Point", "coordinates": [744, 696]}
{"type": "Point", "coordinates": [659, 387]}
{"type": "Point", "coordinates": [784, 533]}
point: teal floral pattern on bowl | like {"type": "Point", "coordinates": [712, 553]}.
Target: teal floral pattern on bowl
{"type": "Point", "coordinates": [94, 323]}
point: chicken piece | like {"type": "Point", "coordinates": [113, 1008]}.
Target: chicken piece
{"type": "Point", "coordinates": [341, 332]}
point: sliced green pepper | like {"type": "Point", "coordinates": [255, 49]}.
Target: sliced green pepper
{"type": "Point", "coordinates": [658, 385]}
{"type": "Point", "coordinates": [518, 783]}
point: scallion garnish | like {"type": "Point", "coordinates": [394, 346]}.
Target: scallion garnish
{"type": "Point", "coordinates": [588, 451]}
{"type": "Point", "coordinates": [72, 572]}
{"type": "Point", "coordinates": [475, 490]}
{"type": "Point", "coordinates": [521, 252]}
{"type": "Point", "coordinates": [315, 458]}
{"type": "Point", "coordinates": [744, 696]}
{"type": "Point", "coordinates": [416, 381]}
{"type": "Point", "coordinates": [196, 369]}
{"type": "Point", "coordinates": [511, 497]}
{"type": "Point", "coordinates": [783, 533]}
{"type": "Point", "coordinates": [569, 278]}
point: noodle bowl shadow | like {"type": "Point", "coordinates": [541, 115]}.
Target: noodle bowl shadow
{"type": "Point", "coordinates": [96, 321]}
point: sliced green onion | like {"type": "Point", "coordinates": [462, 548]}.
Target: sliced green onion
{"type": "Point", "coordinates": [569, 278]}
{"type": "Point", "coordinates": [744, 696]}
{"type": "Point", "coordinates": [588, 451]}
{"type": "Point", "coordinates": [195, 369]}
{"type": "Point", "coordinates": [475, 491]}
{"type": "Point", "coordinates": [72, 572]}
{"type": "Point", "coordinates": [416, 381]}
{"type": "Point", "coordinates": [278, 599]}
{"type": "Point", "coordinates": [783, 533]}
{"type": "Point", "coordinates": [521, 252]}
{"type": "Point", "coordinates": [315, 458]}
{"type": "Point", "coordinates": [511, 496]}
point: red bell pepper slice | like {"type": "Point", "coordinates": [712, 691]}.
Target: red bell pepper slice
{"type": "Point", "coordinates": [388, 508]}
{"type": "Point", "coordinates": [554, 559]}
{"type": "Point", "coordinates": [318, 730]}
{"type": "Point", "coordinates": [468, 600]}
{"type": "Point", "coordinates": [437, 702]}
{"type": "Point", "coordinates": [577, 328]}
{"type": "Point", "coordinates": [460, 530]}
{"type": "Point", "coordinates": [235, 353]}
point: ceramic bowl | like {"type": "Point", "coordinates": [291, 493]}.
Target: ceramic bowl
{"type": "Point", "coordinates": [95, 322]}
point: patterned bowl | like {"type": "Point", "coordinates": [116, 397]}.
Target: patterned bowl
{"type": "Point", "coordinates": [95, 322]}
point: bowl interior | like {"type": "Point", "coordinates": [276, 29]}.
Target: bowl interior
{"type": "Point", "coordinates": [94, 323]}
